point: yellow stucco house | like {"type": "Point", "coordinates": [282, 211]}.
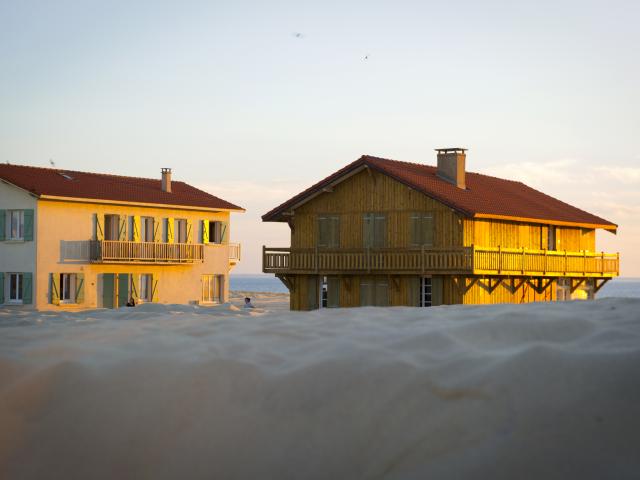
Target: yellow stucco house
{"type": "Point", "coordinates": [86, 240]}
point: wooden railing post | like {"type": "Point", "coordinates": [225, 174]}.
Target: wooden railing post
{"type": "Point", "coordinates": [499, 259]}
{"type": "Point", "coordinates": [544, 267]}
{"type": "Point", "coordinates": [584, 262]}
{"type": "Point", "coordinates": [522, 266]}
{"type": "Point", "coordinates": [316, 260]}
{"type": "Point", "coordinates": [602, 263]}
{"type": "Point", "coordinates": [368, 259]}
{"type": "Point", "coordinates": [422, 259]}
{"type": "Point", "coordinates": [565, 261]}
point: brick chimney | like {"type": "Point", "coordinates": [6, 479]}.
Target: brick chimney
{"type": "Point", "coordinates": [451, 165]}
{"type": "Point", "coordinates": [166, 180]}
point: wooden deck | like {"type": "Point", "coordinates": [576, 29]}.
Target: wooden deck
{"type": "Point", "coordinates": [463, 260]}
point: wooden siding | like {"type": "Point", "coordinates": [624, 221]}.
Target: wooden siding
{"type": "Point", "coordinates": [370, 191]}
{"type": "Point", "coordinates": [506, 234]}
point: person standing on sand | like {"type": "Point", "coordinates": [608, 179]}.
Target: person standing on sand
{"type": "Point", "coordinates": [247, 302]}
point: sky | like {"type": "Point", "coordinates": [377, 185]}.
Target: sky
{"type": "Point", "coordinates": [255, 101]}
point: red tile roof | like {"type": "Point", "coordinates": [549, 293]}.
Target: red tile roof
{"type": "Point", "coordinates": [484, 196]}
{"type": "Point", "coordinates": [100, 186]}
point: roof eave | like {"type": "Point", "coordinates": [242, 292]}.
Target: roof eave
{"type": "Point", "coordinates": [612, 227]}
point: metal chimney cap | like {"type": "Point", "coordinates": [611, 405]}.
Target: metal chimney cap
{"type": "Point", "coordinates": [165, 170]}
{"type": "Point", "coordinates": [451, 150]}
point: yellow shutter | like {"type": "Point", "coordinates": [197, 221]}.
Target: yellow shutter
{"type": "Point", "coordinates": [122, 235]}
{"type": "Point", "coordinates": [136, 228]}
{"type": "Point", "coordinates": [205, 231]}
{"type": "Point", "coordinates": [135, 287]}
{"type": "Point", "coordinates": [170, 238]}
{"type": "Point", "coordinates": [157, 229]}
{"type": "Point", "coordinates": [189, 231]}
{"type": "Point", "coordinates": [99, 217]}
{"type": "Point", "coordinates": [154, 288]}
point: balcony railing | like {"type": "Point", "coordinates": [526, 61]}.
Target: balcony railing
{"type": "Point", "coordinates": [114, 251]}
{"type": "Point", "coordinates": [468, 260]}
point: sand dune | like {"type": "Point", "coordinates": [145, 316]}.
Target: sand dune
{"type": "Point", "coordinates": [532, 391]}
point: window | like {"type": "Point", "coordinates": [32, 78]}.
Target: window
{"type": "Point", "coordinates": [68, 287]}
{"type": "Point", "coordinates": [112, 227]}
{"type": "Point", "coordinates": [212, 288]}
{"type": "Point", "coordinates": [374, 292]}
{"type": "Point", "coordinates": [15, 225]}
{"type": "Point", "coordinates": [329, 231]}
{"type": "Point", "coordinates": [180, 231]}
{"type": "Point", "coordinates": [551, 241]}
{"type": "Point", "coordinates": [425, 292]}
{"type": "Point", "coordinates": [146, 287]}
{"type": "Point", "coordinates": [421, 229]}
{"type": "Point", "coordinates": [146, 229]}
{"type": "Point", "coordinates": [375, 230]}
{"type": "Point", "coordinates": [329, 292]}
{"type": "Point", "coordinates": [217, 231]}
{"type": "Point", "coordinates": [15, 288]}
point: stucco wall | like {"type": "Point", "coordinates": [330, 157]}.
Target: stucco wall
{"type": "Point", "coordinates": [62, 223]}
{"type": "Point", "coordinates": [18, 256]}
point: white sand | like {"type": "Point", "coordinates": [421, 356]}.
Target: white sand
{"type": "Point", "coordinates": [542, 391]}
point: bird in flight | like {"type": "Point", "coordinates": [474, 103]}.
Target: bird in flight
{"type": "Point", "coordinates": [298, 35]}
{"type": "Point", "coordinates": [366, 57]}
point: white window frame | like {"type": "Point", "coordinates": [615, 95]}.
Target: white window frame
{"type": "Point", "coordinates": [69, 288]}
{"type": "Point", "coordinates": [426, 292]}
{"type": "Point", "coordinates": [145, 284]}
{"type": "Point", "coordinates": [215, 232]}
{"type": "Point", "coordinates": [20, 227]}
{"type": "Point", "coordinates": [19, 289]}
{"type": "Point", "coordinates": [145, 224]}
{"type": "Point", "coordinates": [178, 225]}
{"type": "Point", "coordinates": [112, 221]}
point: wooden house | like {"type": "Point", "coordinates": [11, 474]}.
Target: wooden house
{"type": "Point", "coordinates": [385, 232]}
{"type": "Point", "coordinates": [75, 240]}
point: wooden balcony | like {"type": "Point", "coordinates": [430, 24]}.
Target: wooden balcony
{"type": "Point", "coordinates": [462, 260]}
{"type": "Point", "coordinates": [113, 251]}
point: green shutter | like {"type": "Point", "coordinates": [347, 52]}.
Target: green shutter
{"type": "Point", "coordinates": [382, 293]}
{"type": "Point", "coordinates": [108, 289]}
{"type": "Point", "coordinates": [3, 226]}
{"type": "Point", "coordinates": [335, 232]}
{"type": "Point", "coordinates": [366, 292]}
{"type": "Point", "coordinates": [79, 288]}
{"type": "Point", "coordinates": [123, 289]}
{"type": "Point", "coordinates": [2, 274]}
{"type": "Point", "coordinates": [54, 288]}
{"type": "Point", "coordinates": [427, 230]}
{"type": "Point", "coordinates": [27, 288]}
{"type": "Point", "coordinates": [28, 225]}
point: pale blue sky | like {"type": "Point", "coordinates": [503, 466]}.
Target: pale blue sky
{"type": "Point", "coordinates": [223, 92]}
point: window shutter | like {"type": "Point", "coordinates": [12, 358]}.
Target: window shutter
{"type": "Point", "coordinates": [28, 225]}
{"type": "Point", "coordinates": [382, 293]}
{"type": "Point", "coordinates": [333, 292]}
{"type": "Point", "coordinates": [3, 226]}
{"type": "Point", "coordinates": [99, 223]}
{"type": "Point", "coordinates": [136, 228]}
{"type": "Point", "coordinates": [322, 232]}
{"type": "Point", "coordinates": [157, 229]}
{"type": "Point", "coordinates": [380, 231]}
{"type": "Point", "coordinates": [170, 223]}
{"type": "Point", "coordinates": [414, 292]}
{"type": "Point", "coordinates": [335, 232]}
{"type": "Point", "coordinates": [205, 231]}
{"type": "Point", "coordinates": [154, 288]}
{"type": "Point", "coordinates": [108, 290]}
{"type": "Point", "coordinates": [122, 235]}
{"type": "Point", "coordinates": [436, 290]}
{"type": "Point", "coordinates": [27, 288]}
{"type": "Point", "coordinates": [416, 241]}
{"type": "Point", "coordinates": [135, 287]}
{"type": "Point", "coordinates": [367, 231]}
{"type": "Point", "coordinates": [54, 293]}
{"type": "Point", "coordinates": [312, 293]}
{"type": "Point", "coordinates": [123, 289]}
{"type": "Point", "coordinates": [189, 231]}
{"type": "Point", "coordinates": [223, 233]}
{"type": "Point", "coordinates": [366, 292]}
{"type": "Point", "coordinates": [2, 274]}
{"type": "Point", "coordinates": [427, 230]}
{"type": "Point", "coordinates": [79, 287]}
